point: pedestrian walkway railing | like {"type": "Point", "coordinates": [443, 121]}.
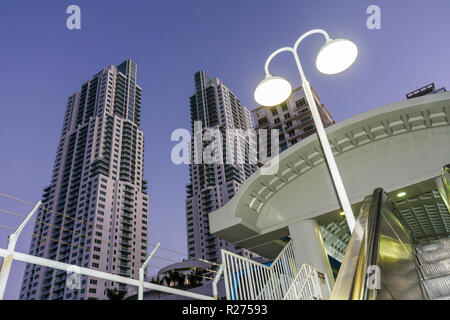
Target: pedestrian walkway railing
{"type": "Point", "coordinates": [10, 255]}
{"type": "Point", "coordinates": [309, 284]}
{"type": "Point", "coordinates": [246, 279]}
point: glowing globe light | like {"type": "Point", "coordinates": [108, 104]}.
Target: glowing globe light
{"type": "Point", "coordinates": [336, 56]}
{"type": "Point", "coordinates": [272, 91]}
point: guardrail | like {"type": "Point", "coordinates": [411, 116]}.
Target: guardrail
{"type": "Point", "coordinates": [309, 284]}
{"type": "Point", "coordinates": [9, 255]}
{"type": "Point", "coordinates": [246, 279]}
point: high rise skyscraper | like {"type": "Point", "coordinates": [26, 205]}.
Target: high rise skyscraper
{"type": "Point", "coordinates": [292, 118]}
{"type": "Point", "coordinates": [95, 212]}
{"type": "Point", "coordinates": [212, 185]}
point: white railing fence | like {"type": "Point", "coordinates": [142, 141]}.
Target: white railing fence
{"type": "Point", "coordinates": [9, 255]}
{"type": "Point", "coordinates": [18, 256]}
{"type": "Point", "coordinates": [246, 279]}
{"type": "Point", "coordinates": [309, 284]}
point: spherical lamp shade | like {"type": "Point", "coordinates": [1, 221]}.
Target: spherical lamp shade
{"type": "Point", "coordinates": [272, 91]}
{"type": "Point", "coordinates": [336, 56]}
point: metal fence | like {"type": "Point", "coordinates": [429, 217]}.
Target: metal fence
{"type": "Point", "coordinates": [246, 279]}
{"type": "Point", "coordinates": [9, 255]}
{"type": "Point", "coordinates": [309, 284]}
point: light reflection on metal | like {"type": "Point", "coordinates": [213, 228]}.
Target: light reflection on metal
{"type": "Point", "coordinates": [443, 185]}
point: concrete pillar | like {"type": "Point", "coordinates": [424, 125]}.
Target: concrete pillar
{"type": "Point", "coordinates": [309, 247]}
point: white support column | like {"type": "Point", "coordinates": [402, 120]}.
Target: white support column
{"type": "Point", "coordinates": [309, 247]}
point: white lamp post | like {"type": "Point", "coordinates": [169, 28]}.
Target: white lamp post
{"type": "Point", "coordinates": [335, 56]}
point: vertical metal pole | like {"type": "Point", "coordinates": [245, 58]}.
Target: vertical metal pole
{"type": "Point", "coordinates": [240, 276]}
{"type": "Point", "coordinates": [265, 284]}
{"type": "Point", "coordinates": [250, 280]}
{"type": "Point", "coordinates": [226, 279]}
{"type": "Point", "coordinates": [234, 278]}
{"type": "Point", "coordinates": [9, 258]}
{"type": "Point", "coordinates": [6, 265]}
{"type": "Point", "coordinates": [142, 272]}
{"type": "Point", "coordinates": [329, 157]}
{"type": "Point", "coordinates": [216, 280]}
{"type": "Point", "coordinates": [258, 282]}
{"type": "Point", "coordinates": [141, 287]}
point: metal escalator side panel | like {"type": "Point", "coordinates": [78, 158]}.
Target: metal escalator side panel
{"type": "Point", "coordinates": [396, 260]}
{"type": "Point", "coordinates": [379, 263]}
{"type": "Point", "coordinates": [344, 286]}
{"type": "Point", "coordinates": [371, 275]}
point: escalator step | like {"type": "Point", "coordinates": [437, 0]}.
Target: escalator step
{"type": "Point", "coordinates": [438, 288]}
{"type": "Point", "coordinates": [439, 268]}
{"type": "Point", "coordinates": [434, 256]}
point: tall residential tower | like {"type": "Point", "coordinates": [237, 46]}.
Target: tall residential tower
{"type": "Point", "coordinates": [212, 185]}
{"type": "Point", "coordinates": [292, 118]}
{"type": "Point", "coordinates": [95, 209]}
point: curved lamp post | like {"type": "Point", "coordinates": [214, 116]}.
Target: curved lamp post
{"type": "Point", "coordinates": [335, 56]}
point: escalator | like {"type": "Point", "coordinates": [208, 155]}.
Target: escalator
{"type": "Point", "coordinates": [383, 261]}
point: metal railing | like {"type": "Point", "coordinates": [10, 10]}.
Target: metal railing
{"type": "Point", "coordinates": [10, 254]}
{"type": "Point", "coordinates": [246, 279]}
{"type": "Point", "coordinates": [283, 269]}
{"type": "Point", "coordinates": [309, 284]}
{"type": "Point", "coordinates": [240, 273]}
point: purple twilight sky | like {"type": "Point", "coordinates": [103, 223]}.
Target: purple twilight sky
{"type": "Point", "coordinates": [42, 63]}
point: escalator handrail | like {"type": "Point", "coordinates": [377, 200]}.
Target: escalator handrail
{"type": "Point", "coordinates": [382, 243]}
{"type": "Point", "coordinates": [351, 282]}
{"type": "Point", "coordinates": [372, 238]}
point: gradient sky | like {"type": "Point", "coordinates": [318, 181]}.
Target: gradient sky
{"type": "Point", "coordinates": [42, 63]}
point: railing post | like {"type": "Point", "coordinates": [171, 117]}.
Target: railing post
{"type": "Point", "coordinates": [225, 274]}
{"type": "Point", "coordinates": [216, 280]}
{"type": "Point", "coordinates": [142, 273]}
{"type": "Point", "coordinates": [6, 265]}
{"type": "Point", "coordinates": [9, 258]}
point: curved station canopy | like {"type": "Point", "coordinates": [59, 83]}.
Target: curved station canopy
{"type": "Point", "coordinates": [400, 147]}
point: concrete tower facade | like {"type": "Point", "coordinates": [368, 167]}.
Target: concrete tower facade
{"type": "Point", "coordinates": [212, 185]}
{"type": "Point", "coordinates": [97, 184]}
{"type": "Point", "coordinates": [292, 118]}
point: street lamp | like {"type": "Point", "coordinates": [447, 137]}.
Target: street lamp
{"type": "Point", "coordinates": [335, 56]}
